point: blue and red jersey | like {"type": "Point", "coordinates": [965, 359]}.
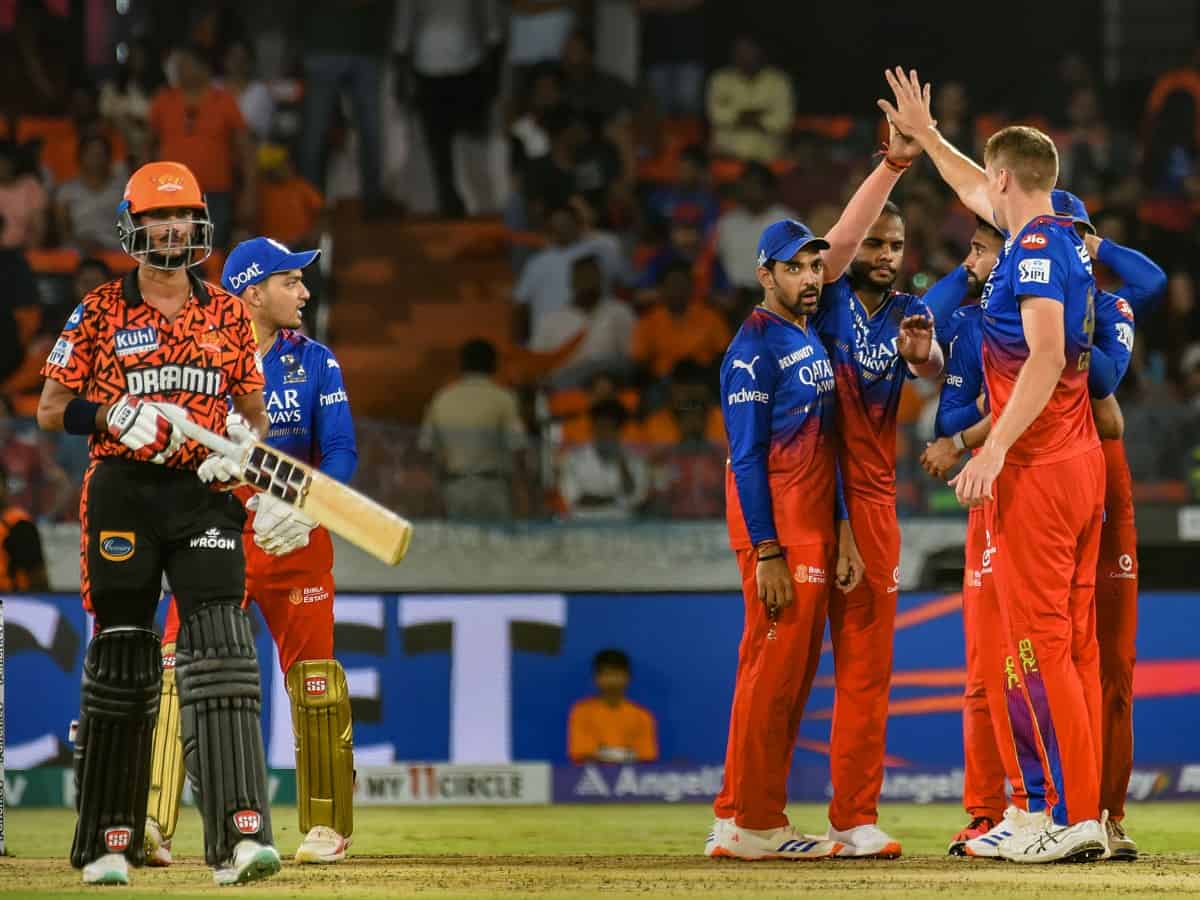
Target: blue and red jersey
{"type": "Point", "coordinates": [1046, 258]}
{"type": "Point", "coordinates": [962, 340]}
{"type": "Point", "coordinates": [870, 376]}
{"type": "Point", "coordinates": [777, 394]}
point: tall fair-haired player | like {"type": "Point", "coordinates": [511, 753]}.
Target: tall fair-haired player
{"type": "Point", "coordinates": [787, 525]}
{"type": "Point", "coordinates": [289, 561]}
{"type": "Point", "coordinates": [1116, 574]}
{"type": "Point", "coordinates": [1039, 475]}
{"type": "Point", "coordinates": [877, 338]}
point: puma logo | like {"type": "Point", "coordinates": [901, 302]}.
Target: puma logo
{"type": "Point", "coordinates": [748, 366]}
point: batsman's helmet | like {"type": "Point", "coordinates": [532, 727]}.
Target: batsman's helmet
{"type": "Point", "coordinates": [164, 185]}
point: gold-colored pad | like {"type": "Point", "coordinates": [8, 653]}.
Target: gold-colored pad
{"type": "Point", "coordinates": [166, 762]}
{"type": "Point", "coordinates": [324, 745]}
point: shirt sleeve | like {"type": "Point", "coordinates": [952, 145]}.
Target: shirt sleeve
{"type": "Point", "coordinates": [1041, 265]}
{"type": "Point", "coordinates": [957, 409]}
{"type": "Point", "coordinates": [1144, 280]}
{"type": "Point", "coordinates": [581, 742]}
{"type": "Point", "coordinates": [945, 297]}
{"type": "Point", "coordinates": [70, 360]}
{"type": "Point", "coordinates": [334, 426]}
{"type": "Point", "coordinates": [646, 743]}
{"type": "Point", "coordinates": [24, 547]}
{"type": "Point", "coordinates": [1112, 344]}
{"type": "Point", "coordinates": [245, 372]}
{"type": "Point", "coordinates": [749, 404]}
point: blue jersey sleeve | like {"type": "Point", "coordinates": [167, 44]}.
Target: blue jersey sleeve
{"type": "Point", "coordinates": [1041, 265]}
{"type": "Point", "coordinates": [945, 296]}
{"type": "Point", "coordinates": [1144, 281]}
{"type": "Point", "coordinates": [957, 408]}
{"type": "Point", "coordinates": [1112, 344]}
{"type": "Point", "coordinates": [334, 428]}
{"type": "Point", "coordinates": [749, 395]}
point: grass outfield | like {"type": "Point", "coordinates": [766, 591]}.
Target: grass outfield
{"type": "Point", "coordinates": [615, 851]}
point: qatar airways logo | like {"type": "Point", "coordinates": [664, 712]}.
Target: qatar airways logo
{"type": "Point", "coordinates": [817, 374]}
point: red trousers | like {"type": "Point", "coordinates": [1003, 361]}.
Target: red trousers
{"type": "Point", "coordinates": [775, 672]}
{"type": "Point", "coordinates": [1116, 629]}
{"type": "Point", "coordinates": [296, 601]}
{"type": "Point", "coordinates": [1045, 522]}
{"type": "Point", "coordinates": [862, 625]}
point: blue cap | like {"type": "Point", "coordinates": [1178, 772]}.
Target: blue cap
{"type": "Point", "coordinates": [259, 258]}
{"type": "Point", "coordinates": [1067, 204]}
{"type": "Point", "coordinates": [784, 239]}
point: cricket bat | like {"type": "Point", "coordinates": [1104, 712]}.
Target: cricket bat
{"type": "Point", "coordinates": [341, 509]}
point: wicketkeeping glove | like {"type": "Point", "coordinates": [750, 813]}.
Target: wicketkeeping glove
{"type": "Point", "coordinates": [279, 528]}
{"type": "Point", "coordinates": [221, 468]}
{"type": "Point", "coordinates": [139, 426]}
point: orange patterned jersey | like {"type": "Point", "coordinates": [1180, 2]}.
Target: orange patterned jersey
{"type": "Point", "coordinates": [115, 343]}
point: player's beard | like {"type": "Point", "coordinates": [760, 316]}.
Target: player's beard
{"type": "Point", "coordinates": [863, 274]}
{"type": "Point", "coordinates": [974, 285]}
{"type": "Point", "coordinates": [803, 304]}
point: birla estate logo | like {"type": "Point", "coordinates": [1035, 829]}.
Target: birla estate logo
{"type": "Point", "coordinates": [295, 596]}
{"type": "Point", "coordinates": [168, 183]}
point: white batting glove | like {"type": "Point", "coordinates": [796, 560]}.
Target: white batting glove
{"type": "Point", "coordinates": [140, 426]}
{"type": "Point", "coordinates": [279, 528]}
{"type": "Point", "coordinates": [221, 468]}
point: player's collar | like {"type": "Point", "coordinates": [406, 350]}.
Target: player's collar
{"type": "Point", "coordinates": [132, 292]}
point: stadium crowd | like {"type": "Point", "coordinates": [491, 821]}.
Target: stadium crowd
{"type": "Point", "coordinates": [639, 176]}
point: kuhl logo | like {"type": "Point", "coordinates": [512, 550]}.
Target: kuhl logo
{"type": "Point", "coordinates": [247, 821]}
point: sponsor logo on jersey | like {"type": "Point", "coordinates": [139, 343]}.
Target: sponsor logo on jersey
{"type": "Point", "coordinates": [1036, 271]}
{"type": "Point", "coordinates": [117, 546]}
{"type": "Point", "coordinates": [1124, 308]}
{"type": "Point", "coordinates": [174, 377]}
{"type": "Point", "coordinates": [315, 686]}
{"type": "Point", "coordinates": [792, 358]}
{"type": "Point", "coordinates": [61, 354]}
{"type": "Point", "coordinates": [135, 340]}
{"type": "Point", "coordinates": [338, 396]}
{"type": "Point", "coordinates": [1126, 564]}
{"type": "Point", "coordinates": [1035, 240]}
{"type": "Point", "coordinates": [895, 586]}
{"type": "Point", "coordinates": [74, 320]}
{"type": "Point", "coordinates": [296, 596]}
{"type": "Point", "coordinates": [748, 366]}
{"type": "Point", "coordinates": [745, 396]}
{"type": "Point", "coordinates": [283, 407]}
{"type": "Point", "coordinates": [239, 280]}
{"type": "Point", "coordinates": [294, 373]}
{"type": "Point", "coordinates": [117, 840]}
{"type": "Point", "coordinates": [212, 540]}
{"type": "Point", "coordinates": [1125, 335]}
{"type": "Point", "coordinates": [954, 380]}
{"type": "Point", "coordinates": [809, 574]}
{"type": "Point", "coordinates": [817, 374]}
{"type": "Point", "coordinates": [331, 363]}
{"type": "Point", "coordinates": [247, 821]}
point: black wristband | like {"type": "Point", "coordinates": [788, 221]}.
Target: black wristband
{"type": "Point", "coordinates": [772, 556]}
{"type": "Point", "coordinates": [80, 416]}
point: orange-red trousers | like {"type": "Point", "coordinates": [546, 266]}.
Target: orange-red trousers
{"type": "Point", "coordinates": [776, 665]}
{"type": "Point", "coordinates": [987, 739]}
{"type": "Point", "coordinates": [1045, 522]}
{"type": "Point", "coordinates": [295, 595]}
{"type": "Point", "coordinates": [862, 626]}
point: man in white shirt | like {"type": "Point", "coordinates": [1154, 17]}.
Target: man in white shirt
{"type": "Point", "coordinates": [606, 322]}
{"type": "Point", "coordinates": [603, 479]}
{"type": "Point", "coordinates": [739, 229]}
{"type": "Point", "coordinates": [545, 281]}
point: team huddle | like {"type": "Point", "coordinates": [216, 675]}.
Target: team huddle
{"type": "Point", "coordinates": [158, 509]}
{"type": "Point", "coordinates": [1029, 353]}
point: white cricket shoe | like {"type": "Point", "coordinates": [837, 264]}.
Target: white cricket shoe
{"type": "Point", "coordinates": [987, 845]}
{"type": "Point", "coordinates": [710, 842]}
{"type": "Point", "coordinates": [865, 842]}
{"type": "Point", "coordinates": [1121, 847]}
{"type": "Point", "coordinates": [1082, 842]}
{"type": "Point", "coordinates": [158, 851]}
{"type": "Point", "coordinates": [250, 862]}
{"type": "Point", "coordinates": [111, 868]}
{"type": "Point", "coordinates": [322, 845]}
{"type": "Point", "coordinates": [733, 842]}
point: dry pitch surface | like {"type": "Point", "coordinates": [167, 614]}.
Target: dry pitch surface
{"type": "Point", "coordinates": [632, 851]}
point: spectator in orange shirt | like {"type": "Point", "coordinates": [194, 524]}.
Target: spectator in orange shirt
{"type": "Point", "coordinates": [608, 727]}
{"type": "Point", "coordinates": [289, 208]}
{"type": "Point", "coordinates": [678, 327]}
{"type": "Point", "coordinates": [200, 125]}
{"type": "Point", "coordinates": [691, 410]}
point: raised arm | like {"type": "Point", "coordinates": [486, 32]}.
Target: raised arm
{"type": "Point", "coordinates": [1144, 280]}
{"type": "Point", "coordinates": [912, 116]}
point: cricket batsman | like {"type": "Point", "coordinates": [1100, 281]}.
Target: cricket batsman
{"type": "Point", "coordinates": [786, 521]}
{"type": "Point", "coordinates": [1039, 475]}
{"type": "Point", "coordinates": [289, 561]}
{"type": "Point", "coordinates": [161, 334]}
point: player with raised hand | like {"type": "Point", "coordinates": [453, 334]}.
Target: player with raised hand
{"type": "Point", "coordinates": [1039, 475]}
{"type": "Point", "coordinates": [289, 558]}
{"type": "Point", "coordinates": [161, 334]}
{"type": "Point", "coordinates": [877, 338]}
{"type": "Point", "coordinates": [786, 521]}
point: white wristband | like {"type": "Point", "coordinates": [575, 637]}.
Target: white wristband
{"type": "Point", "coordinates": [960, 442]}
